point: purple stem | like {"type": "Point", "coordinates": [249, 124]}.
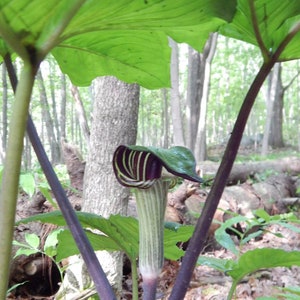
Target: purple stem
{"type": "Point", "coordinates": [197, 241]}
{"type": "Point", "coordinates": [149, 288]}
{"type": "Point", "coordinates": [87, 252]}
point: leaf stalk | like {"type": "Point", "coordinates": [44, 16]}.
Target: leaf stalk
{"type": "Point", "coordinates": [12, 167]}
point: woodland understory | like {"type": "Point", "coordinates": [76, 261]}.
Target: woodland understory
{"type": "Point", "coordinates": [268, 185]}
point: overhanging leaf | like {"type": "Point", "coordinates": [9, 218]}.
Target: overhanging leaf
{"type": "Point", "coordinates": [274, 21]}
{"type": "Point", "coordinates": [124, 38]}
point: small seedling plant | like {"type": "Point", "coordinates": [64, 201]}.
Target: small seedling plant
{"type": "Point", "coordinates": [41, 254]}
{"type": "Point", "coordinates": [248, 262]}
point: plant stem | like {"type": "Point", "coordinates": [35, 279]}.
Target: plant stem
{"type": "Point", "coordinates": [197, 241]}
{"type": "Point", "coordinates": [135, 284]}
{"type": "Point", "coordinates": [151, 206]}
{"type": "Point", "coordinates": [12, 166]}
{"type": "Point", "coordinates": [232, 290]}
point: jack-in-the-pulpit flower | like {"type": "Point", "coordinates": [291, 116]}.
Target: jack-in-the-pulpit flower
{"type": "Point", "coordinates": [150, 171]}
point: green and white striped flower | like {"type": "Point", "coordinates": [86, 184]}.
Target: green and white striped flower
{"type": "Point", "coordinates": [151, 171]}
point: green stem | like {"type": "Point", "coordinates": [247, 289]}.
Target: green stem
{"type": "Point", "coordinates": [135, 285]}
{"type": "Point", "coordinates": [12, 166]}
{"type": "Point", "coordinates": [151, 206]}
{"type": "Point", "coordinates": [232, 290]}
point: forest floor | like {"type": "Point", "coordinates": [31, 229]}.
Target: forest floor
{"type": "Point", "coordinates": [210, 284]}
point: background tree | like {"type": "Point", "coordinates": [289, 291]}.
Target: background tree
{"type": "Point", "coordinates": [80, 113]}
{"type": "Point", "coordinates": [47, 120]}
{"type": "Point", "coordinates": [176, 110]}
{"type": "Point", "coordinates": [206, 60]}
{"type": "Point", "coordinates": [115, 114]}
{"type": "Point", "coordinates": [63, 98]}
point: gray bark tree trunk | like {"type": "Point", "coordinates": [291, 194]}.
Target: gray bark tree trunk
{"type": "Point", "coordinates": [175, 97]}
{"type": "Point", "coordinates": [63, 100]}
{"type": "Point", "coordinates": [195, 73]}
{"type": "Point", "coordinates": [54, 145]}
{"type": "Point", "coordinates": [276, 135]}
{"type": "Point", "coordinates": [115, 114]}
{"type": "Point", "coordinates": [80, 113]}
{"type": "Point", "coordinates": [165, 119]}
{"type": "Point", "coordinates": [274, 94]}
{"type": "Point", "coordinates": [207, 56]}
{"type": "Point", "coordinates": [197, 96]}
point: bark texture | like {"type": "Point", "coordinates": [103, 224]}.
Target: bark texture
{"type": "Point", "coordinates": [115, 114]}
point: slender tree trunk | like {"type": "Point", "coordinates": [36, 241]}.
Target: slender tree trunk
{"type": "Point", "coordinates": [63, 101]}
{"type": "Point", "coordinates": [54, 146]}
{"type": "Point", "coordinates": [165, 120]}
{"type": "Point", "coordinates": [270, 100]}
{"type": "Point", "coordinates": [54, 107]}
{"type": "Point", "coordinates": [276, 135]}
{"type": "Point", "coordinates": [80, 113]}
{"type": "Point", "coordinates": [175, 96]}
{"type": "Point", "coordinates": [194, 94]}
{"type": "Point", "coordinates": [115, 114]}
{"type": "Point", "coordinates": [208, 54]}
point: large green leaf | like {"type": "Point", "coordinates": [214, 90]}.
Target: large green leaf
{"type": "Point", "coordinates": [124, 38]}
{"type": "Point", "coordinates": [274, 19]}
{"type": "Point", "coordinates": [121, 233]}
{"type": "Point", "coordinates": [67, 247]}
{"type": "Point", "coordinates": [257, 259]}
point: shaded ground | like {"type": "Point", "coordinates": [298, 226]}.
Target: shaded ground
{"type": "Point", "coordinates": [207, 284]}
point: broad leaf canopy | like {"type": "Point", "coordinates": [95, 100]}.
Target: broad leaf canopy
{"type": "Point", "coordinates": [273, 19]}
{"type": "Point", "coordinates": [125, 38]}
{"type": "Point", "coordinates": [129, 38]}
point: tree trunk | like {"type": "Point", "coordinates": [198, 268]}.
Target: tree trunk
{"type": "Point", "coordinates": [175, 96]}
{"type": "Point", "coordinates": [195, 73]}
{"type": "Point", "coordinates": [54, 146]}
{"type": "Point", "coordinates": [276, 136]}
{"type": "Point", "coordinates": [207, 56]}
{"type": "Point", "coordinates": [273, 81]}
{"type": "Point", "coordinates": [54, 106]}
{"type": "Point", "coordinates": [165, 119]}
{"type": "Point", "coordinates": [115, 115]}
{"type": "Point", "coordinates": [80, 113]}
{"type": "Point", "coordinates": [63, 100]}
